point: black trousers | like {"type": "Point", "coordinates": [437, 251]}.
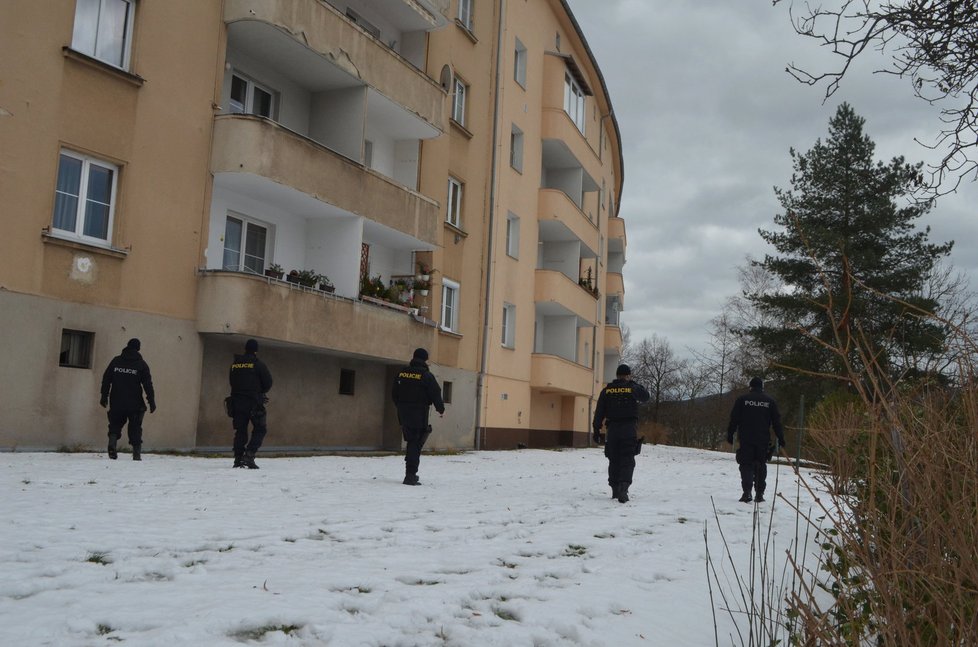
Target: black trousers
{"type": "Point", "coordinates": [133, 418]}
{"type": "Point", "coordinates": [752, 460]}
{"type": "Point", "coordinates": [415, 438]}
{"type": "Point", "coordinates": [620, 451]}
{"type": "Point", "coordinates": [248, 410]}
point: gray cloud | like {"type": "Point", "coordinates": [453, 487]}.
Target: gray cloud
{"type": "Point", "coordinates": [708, 115]}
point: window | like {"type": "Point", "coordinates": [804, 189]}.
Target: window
{"type": "Point", "coordinates": [574, 101]}
{"type": "Point", "coordinates": [513, 235]}
{"type": "Point", "coordinates": [84, 198]}
{"type": "Point", "coordinates": [516, 148]}
{"type": "Point", "coordinates": [446, 392]}
{"type": "Point", "coordinates": [348, 379]}
{"type": "Point", "coordinates": [248, 97]}
{"type": "Point", "coordinates": [365, 24]}
{"type": "Point", "coordinates": [454, 213]}
{"type": "Point", "coordinates": [245, 245]}
{"type": "Point", "coordinates": [76, 349]}
{"type": "Point", "coordinates": [509, 326]}
{"type": "Point", "coordinates": [519, 64]}
{"type": "Point", "coordinates": [458, 101]}
{"type": "Point", "coordinates": [465, 13]}
{"type": "Point", "coordinates": [449, 305]}
{"type": "Point", "coordinates": [103, 30]}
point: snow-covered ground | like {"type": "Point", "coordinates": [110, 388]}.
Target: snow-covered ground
{"type": "Point", "coordinates": [495, 548]}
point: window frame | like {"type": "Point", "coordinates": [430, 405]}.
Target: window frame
{"type": "Point", "coordinates": [519, 63]}
{"type": "Point", "coordinates": [464, 16]}
{"type": "Point", "coordinates": [460, 91]}
{"type": "Point", "coordinates": [125, 55]}
{"type": "Point", "coordinates": [453, 208]}
{"type": "Point", "coordinates": [348, 382]}
{"type": "Point", "coordinates": [512, 235]}
{"type": "Point", "coordinates": [450, 307]}
{"type": "Point", "coordinates": [250, 86]}
{"type": "Point", "coordinates": [81, 210]}
{"type": "Point", "coordinates": [86, 343]}
{"type": "Point", "coordinates": [575, 104]}
{"type": "Point", "coordinates": [516, 141]}
{"type": "Point", "coordinates": [508, 326]}
{"type": "Point", "coordinates": [246, 223]}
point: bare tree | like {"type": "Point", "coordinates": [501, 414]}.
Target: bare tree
{"type": "Point", "coordinates": [656, 365]}
{"type": "Point", "coordinates": [932, 43]}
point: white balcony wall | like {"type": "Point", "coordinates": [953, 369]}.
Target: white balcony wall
{"type": "Point", "coordinates": [337, 120]}
{"type": "Point", "coordinates": [413, 46]}
{"type": "Point", "coordinates": [616, 262]}
{"type": "Point", "coordinates": [557, 335]}
{"type": "Point", "coordinates": [285, 229]}
{"type": "Point", "coordinates": [407, 158]}
{"type": "Point", "coordinates": [561, 256]}
{"type": "Point", "coordinates": [568, 180]}
{"type": "Point", "coordinates": [333, 248]}
{"type": "Point", "coordinates": [408, 39]}
{"type": "Point", "coordinates": [387, 261]}
{"type": "Point", "coordinates": [292, 100]}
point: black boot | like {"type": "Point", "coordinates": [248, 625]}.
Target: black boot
{"type": "Point", "coordinates": [411, 479]}
{"type": "Point", "coordinates": [760, 497]}
{"type": "Point", "coordinates": [136, 454]}
{"type": "Point", "coordinates": [614, 490]}
{"type": "Point", "coordinates": [623, 492]}
{"type": "Point", "coordinates": [248, 460]}
{"type": "Point", "coordinates": [113, 452]}
{"type": "Point", "coordinates": [745, 498]}
{"type": "Point", "coordinates": [238, 460]}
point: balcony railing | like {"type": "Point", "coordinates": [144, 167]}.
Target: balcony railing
{"type": "Point", "coordinates": [558, 375]}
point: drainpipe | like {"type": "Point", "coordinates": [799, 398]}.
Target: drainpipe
{"type": "Point", "coordinates": [480, 400]}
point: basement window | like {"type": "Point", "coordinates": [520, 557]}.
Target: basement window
{"type": "Point", "coordinates": [348, 380]}
{"type": "Point", "coordinates": [76, 349]}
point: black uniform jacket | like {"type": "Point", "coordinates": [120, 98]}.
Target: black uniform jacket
{"type": "Point", "coordinates": [753, 415]}
{"type": "Point", "coordinates": [125, 379]}
{"type": "Point", "coordinates": [249, 376]}
{"type": "Point", "coordinates": [415, 389]}
{"type": "Point", "coordinates": [618, 402]}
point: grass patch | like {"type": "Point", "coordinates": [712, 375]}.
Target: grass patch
{"type": "Point", "coordinates": [102, 630]}
{"type": "Point", "coordinates": [505, 614]}
{"type": "Point", "coordinates": [98, 557]}
{"type": "Point", "coordinates": [574, 550]}
{"type": "Point", "coordinates": [226, 549]}
{"type": "Point", "coordinates": [259, 633]}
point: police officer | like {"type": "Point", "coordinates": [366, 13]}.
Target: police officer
{"type": "Point", "coordinates": [618, 405]}
{"type": "Point", "coordinates": [250, 381]}
{"type": "Point", "coordinates": [415, 389]}
{"type": "Point", "coordinates": [753, 415]}
{"type": "Point", "coordinates": [123, 383]}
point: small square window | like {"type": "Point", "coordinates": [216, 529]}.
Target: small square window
{"type": "Point", "coordinates": [446, 392]}
{"type": "Point", "coordinates": [76, 349]}
{"type": "Point", "coordinates": [348, 379]}
{"type": "Point", "coordinates": [103, 30]}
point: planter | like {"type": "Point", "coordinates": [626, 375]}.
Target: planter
{"type": "Point", "coordinates": [423, 293]}
{"type": "Point", "coordinates": [275, 275]}
{"type": "Point", "coordinates": [326, 287]}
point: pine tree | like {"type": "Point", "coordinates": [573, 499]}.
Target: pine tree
{"type": "Point", "coordinates": [850, 259]}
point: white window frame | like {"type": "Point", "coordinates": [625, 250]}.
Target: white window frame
{"type": "Point", "coordinates": [512, 235]}
{"type": "Point", "coordinates": [516, 148]}
{"type": "Point", "coordinates": [509, 326]}
{"type": "Point", "coordinates": [248, 108]}
{"type": "Point", "coordinates": [82, 40]}
{"type": "Point", "coordinates": [459, 98]}
{"type": "Point", "coordinates": [574, 103]}
{"type": "Point", "coordinates": [465, 13]}
{"type": "Point", "coordinates": [450, 293]}
{"type": "Point", "coordinates": [453, 210]}
{"type": "Point", "coordinates": [246, 224]}
{"type": "Point", "coordinates": [519, 63]}
{"type": "Point", "coordinates": [81, 207]}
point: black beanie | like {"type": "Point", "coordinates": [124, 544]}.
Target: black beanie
{"type": "Point", "coordinates": [133, 344]}
{"type": "Point", "coordinates": [420, 353]}
{"type": "Point", "coordinates": [251, 346]}
{"type": "Point", "coordinates": [756, 383]}
{"type": "Point", "coordinates": [623, 369]}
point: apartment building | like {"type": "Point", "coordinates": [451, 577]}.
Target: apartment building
{"type": "Point", "coordinates": [344, 181]}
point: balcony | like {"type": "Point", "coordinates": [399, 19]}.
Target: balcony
{"type": "Point", "coordinates": [306, 38]}
{"type": "Point", "coordinates": [553, 374]}
{"type": "Point", "coordinates": [557, 127]}
{"type": "Point", "coordinates": [254, 306]}
{"type": "Point", "coordinates": [616, 234]}
{"type": "Point", "coordinates": [253, 146]}
{"type": "Point", "coordinates": [615, 285]}
{"type": "Point", "coordinates": [561, 219]}
{"type": "Point", "coordinates": [612, 339]}
{"type": "Point", "coordinates": [554, 291]}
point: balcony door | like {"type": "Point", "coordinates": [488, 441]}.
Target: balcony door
{"type": "Point", "coordinates": [245, 245]}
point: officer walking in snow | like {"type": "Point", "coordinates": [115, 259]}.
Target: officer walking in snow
{"type": "Point", "coordinates": [618, 405]}
{"type": "Point", "coordinates": [250, 381]}
{"type": "Point", "coordinates": [123, 383]}
{"type": "Point", "coordinates": [415, 389]}
{"type": "Point", "coordinates": [752, 416]}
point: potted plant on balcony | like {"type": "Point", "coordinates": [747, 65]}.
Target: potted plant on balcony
{"type": "Point", "coordinates": [424, 272]}
{"type": "Point", "coordinates": [306, 278]}
{"type": "Point", "coordinates": [275, 271]}
{"type": "Point", "coordinates": [421, 287]}
{"type": "Point", "coordinates": [325, 284]}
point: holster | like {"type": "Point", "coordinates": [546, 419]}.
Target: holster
{"type": "Point", "coordinates": [229, 406]}
{"type": "Point", "coordinates": [424, 436]}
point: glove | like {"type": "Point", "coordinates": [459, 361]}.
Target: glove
{"type": "Point", "coordinates": [598, 438]}
{"type": "Point", "coordinates": [104, 402]}
{"type": "Point", "coordinates": [730, 440]}
{"type": "Point", "coordinates": [152, 407]}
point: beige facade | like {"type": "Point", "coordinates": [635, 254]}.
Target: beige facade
{"type": "Point", "coordinates": [159, 160]}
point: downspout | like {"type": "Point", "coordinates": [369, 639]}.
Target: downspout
{"type": "Point", "coordinates": [480, 400]}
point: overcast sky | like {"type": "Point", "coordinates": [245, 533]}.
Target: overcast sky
{"type": "Point", "coordinates": [707, 115]}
